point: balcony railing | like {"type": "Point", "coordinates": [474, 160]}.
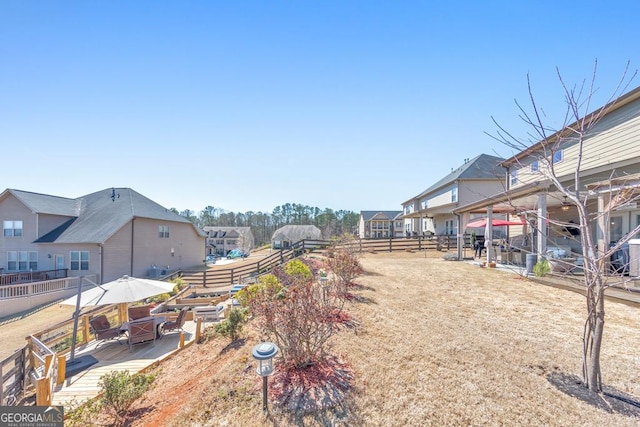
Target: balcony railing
{"type": "Point", "coordinates": [31, 276]}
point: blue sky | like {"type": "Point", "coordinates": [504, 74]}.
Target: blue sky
{"type": "Point", "coordinates": [247, 105]}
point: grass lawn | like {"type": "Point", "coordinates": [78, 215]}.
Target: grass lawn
{"type": "Point", "coordinates": [439, 343]}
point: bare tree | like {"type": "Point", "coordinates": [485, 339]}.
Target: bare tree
{"type": "Point", "coordinates": [594, 200]}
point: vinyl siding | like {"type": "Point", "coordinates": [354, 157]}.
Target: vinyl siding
{"type": "Point", "coordinates": [13, 210]}
{"type": "Point", "coordinates": [116, 254]}
{"type": "Point", "coordinates": [616, 140]}
{"type": "Point", "coordinates": [442, 197]}
{"type": "Point", "coordinates": [472, 191]}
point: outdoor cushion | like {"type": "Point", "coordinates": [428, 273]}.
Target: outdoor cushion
{"type": "Point", "coordinates": [139, 312]}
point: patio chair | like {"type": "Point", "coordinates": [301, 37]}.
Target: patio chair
{"type": "Point", "coordinates": [141, 331]}
{"type": "Point", "coordinates": [139, 312]}
{"type": "Point", "coordinates": [103, 330]}
{"type": "Point", "coordinates": [175, 325]}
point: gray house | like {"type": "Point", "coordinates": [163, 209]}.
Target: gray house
{"type": "Point", "coordinates": [285, 236]}
{"type": "Point", "coordinates": [432, 210]}
{"type": "Point", "coordinates": [380, 224]}
{"type": "Point", "coordinates": [108, 233]}
{"type": "Point", "coordinates": [221, 240]}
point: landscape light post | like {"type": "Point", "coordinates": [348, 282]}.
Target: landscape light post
{"type": "Point", "coordinates": [264, 354]}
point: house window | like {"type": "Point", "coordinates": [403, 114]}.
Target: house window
{"type": "Point", "coordinates": [557, 156]}
{"type": "Point", "coordinates": [514, 177]}
{"type": "Point", "coordinates": [12, 228]}
{"type": "Point", "coordinates": [535, 167]}
{"type": "Point", "coordinates": [449, 227]}
{"type": "Point", "coordinates": [163, 231]}
{"type": "Point", "coordinates": [425, 204]}
{"type": "Point", "coordinates": [454, 194]}
{"type": "Point", "coordinates": [79, 260]}
{"type": "Point", "coordinates": [22, 261]}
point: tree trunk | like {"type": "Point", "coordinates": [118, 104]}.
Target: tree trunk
{"type": "Point", "coordinates": [593, 333]}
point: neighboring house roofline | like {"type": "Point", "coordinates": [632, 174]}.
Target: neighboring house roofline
{"type": "Point", "coordinates": [391, 215]}
{"type": "Point", "coordinates": [95, 217]}
{"type": "Point", "coordinates": [481, 168]}
{"type": "Point", "coordinates": [40, 203]}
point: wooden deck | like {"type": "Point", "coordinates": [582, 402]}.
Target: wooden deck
{"type": "Point", "coordinates": [113, 356]}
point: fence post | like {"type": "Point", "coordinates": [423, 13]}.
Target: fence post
{"type": "Point", "coordinates": [199, 329]}
{"type": "Point", "coordinates": [62, 368]}
{"type": "Point", "coordinates": [85, 328]}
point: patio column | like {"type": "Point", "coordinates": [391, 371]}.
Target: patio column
{"type": "Point", "coordinates": [488, 235]}
{"type": "Point", "coordinates": [542, 224]}
{"type": "Point", "coordinates": [602, 229]}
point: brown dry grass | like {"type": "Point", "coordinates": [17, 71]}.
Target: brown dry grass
{"type": "Point", "coordinates": [440, 343]}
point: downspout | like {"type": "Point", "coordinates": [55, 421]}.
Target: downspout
{"type": "Point", "coordinates": [101, 262]}
{"type": "Point", "coordinates": [132, 234]}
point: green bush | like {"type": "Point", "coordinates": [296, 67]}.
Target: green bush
{"type": "Point", "coordinates": [541, 268]}
{"type": "Point", "coordinates": [231, 327]}
{"type": "Point", "coordinates": [120, 390]}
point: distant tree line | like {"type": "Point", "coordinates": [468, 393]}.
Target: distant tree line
{"type": "Point", "coordinates": [330, 222]}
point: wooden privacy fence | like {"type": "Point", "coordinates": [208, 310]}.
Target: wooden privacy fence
{"type": "Point", "coordinates": [218, 279]}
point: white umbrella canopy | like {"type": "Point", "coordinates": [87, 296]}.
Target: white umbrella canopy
{"type": "Point", "coordinates": [121, 291]}
{"type": "Point", "coordinates": [126, 289]}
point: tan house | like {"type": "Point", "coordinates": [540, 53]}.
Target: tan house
{"type": "Point", "coordinates": [108, 233]}
{"type": "Point", "coordinates": [380, 224]}
{"type": "Point", "coordinates": [610, 160]}
{"type": "Point", "coordinates": [221, 240]}
{"type": "Point", "coordinates": [432, 210]}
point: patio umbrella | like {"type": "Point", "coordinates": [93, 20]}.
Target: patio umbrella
{"type": "Point", "coordinates": [482, 223]}
{"type": "Point", "coordinates": [124, 290]}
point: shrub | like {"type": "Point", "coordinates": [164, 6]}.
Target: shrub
{"type": "Point", "coordinates": [120, 390]}
{"type": "Point", "coordinates": [180, 284]}
{"type": "Point", "coordinates": [81, 414]}
{"type": "Point", "coordinates": [231, 327]}
{"type": "Point", "coordinates": [541, 268]}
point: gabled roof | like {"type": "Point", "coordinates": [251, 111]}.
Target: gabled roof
{"type": "Point", "coordinates": [482, 167]}
{"type": "Point", "coordinates": [220, 232]}
{"type": "Point", "coordinates": [44, 203]}
{"type": "Point", "coordinates": [100, 215]}
{"type": "Point", "coordinates": [295, 233]}
{"type": "Point", "coordinates": [390, 215]}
